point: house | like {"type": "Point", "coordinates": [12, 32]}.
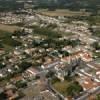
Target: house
{"type": "Point", "coordinates": [48, 95]}
{"type": "Point", "coordinates": [50, 65]}
{"type": "Point", "coordinates": [31, 73]}
{"type": "Point", "coordinates": [87, 83]}
{"type": "Point", "coordinates": [11, 93]}
{"type": "Point", "coordinates": [86, 56]}
{"type": "Point", "coordinates": [2, 51]}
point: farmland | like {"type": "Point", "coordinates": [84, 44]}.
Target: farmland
{"type": "Point", "coordinates": [8, 28]}
{"type": "Point", "coordinates": [64, 12]}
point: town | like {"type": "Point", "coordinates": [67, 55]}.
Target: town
{"type": "Point", "coordinates": [48, 57]}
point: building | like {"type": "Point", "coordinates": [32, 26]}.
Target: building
{"type": "Point", "coordinates": [31, 73]}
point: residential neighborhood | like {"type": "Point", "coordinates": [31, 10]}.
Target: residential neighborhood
{"type": "Point", "coordinates": [48, 58]}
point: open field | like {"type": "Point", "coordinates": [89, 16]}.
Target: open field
{"type": "Point", "coordinates": [8, 28]}
{"type": "Point", "coordinates": [63, 12]}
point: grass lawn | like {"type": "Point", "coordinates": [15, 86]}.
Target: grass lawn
{"type": "Point", "coordinates": [61, 86]}
{"type": "Point", "coordinates": [98, 97]}
{"type": "Point", "coordinates": [67, 33]}
{"type": "Point", "coordinates": [94, 20]}
{"type": "Point", "coordinates": [96, 54]}
{"type": "Point", "coordinates": [7, 47]}
{"type": "Point", "coordinates": [97, 33]}
{"type": "Point", "coordinates": [69, 87]}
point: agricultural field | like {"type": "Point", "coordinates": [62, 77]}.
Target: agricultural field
{"type": "Point", "coordinates": [8, 28]}
{"type": "Point", "coordinates": [63, 12]}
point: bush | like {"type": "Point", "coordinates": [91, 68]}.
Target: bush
{"type": "Point", "coordinates": [24, 65]}
{"type": "Point", "coordinates": [21, 84]}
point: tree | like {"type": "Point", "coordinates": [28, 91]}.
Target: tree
{"type": "Point", "coordinates": [1, 46]}
{"type": "Point", "coordinates": [46, 32]}
{"type": "Point", "coordinates": [50, 74]}
{"type": "Point", "coordinates": [24, 65]}
{"type": "Point", "coordinates": [3, 96]}
{"type": "Point", "coordinates": [74, 89]}
{"type": "Point", "coordinates": [2, 66]}
{"type": "Point", "coordinates": [96, 45]}
{"type": "Point", "coordinates": [21, 84]}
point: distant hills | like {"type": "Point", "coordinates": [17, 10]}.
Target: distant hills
{"type": "Point", "coordinates": [71, 4]}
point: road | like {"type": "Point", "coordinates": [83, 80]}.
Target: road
{"type": "Point", "coordinates": [89, 93]}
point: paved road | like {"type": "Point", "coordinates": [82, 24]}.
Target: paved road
{"type": "Point", "coordinates": [89, 93]}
